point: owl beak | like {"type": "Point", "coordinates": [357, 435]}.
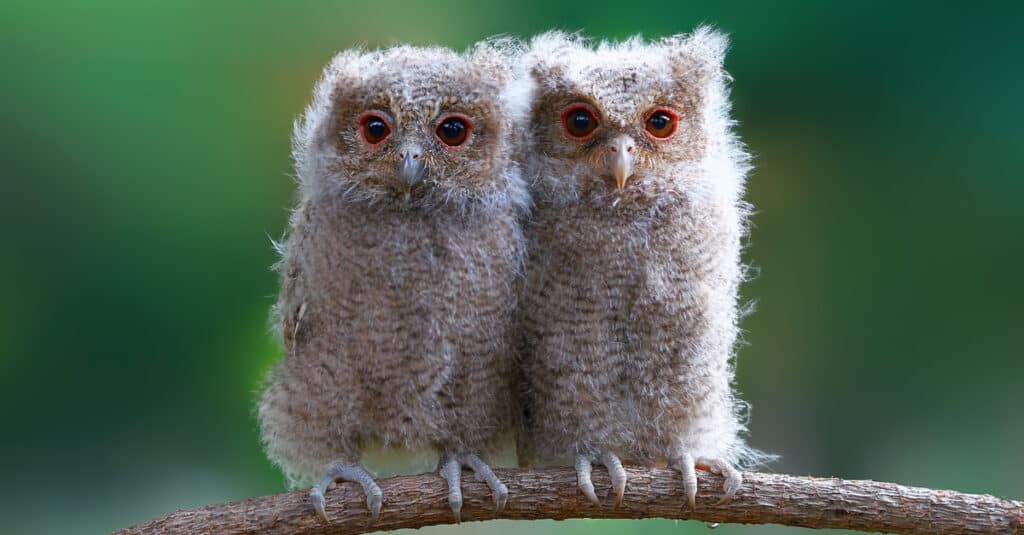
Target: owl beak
{"type": "Point", "coordinates": [411, 169]}
{"type": "Point", "coordinates": [622, 159]}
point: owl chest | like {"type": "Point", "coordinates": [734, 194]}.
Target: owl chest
{"type": "Point", "coordinates": [628, 300]}
{"type": "Point", "coordinates": [406, 289]}
{"type": "Point", "coordinates": [633, 274]}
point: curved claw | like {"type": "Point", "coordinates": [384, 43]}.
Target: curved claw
{"type": "Point", "coordinates": [317, 499]}
{"type": "Point", "coordinates": [583, 481]}
{"type": "Point", "coordinates": [484, 473]}
{"type": "Point", "coordinates": [733, 477]}
{"type": "Point", "coordinates": [500, 498]}
{"type": "Point", "coordinates": [617, 473]}
{"type": "Point", "coordinates": [732, 485]}
{"type": "Point", "coordinates": [686, 467]}
{"type": "Point", "coordinates": [346, 472]}
{"type": "Point", "coordinates": [374, 500]}
{"type": "Point", "coordinates": [451, 470]}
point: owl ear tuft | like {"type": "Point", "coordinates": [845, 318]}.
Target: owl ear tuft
{"type": "Point", "coordinates": [497, 55]}
{"type": "Point", "coordinates": [700, 54]}
{"type": "Point", "coordinates": [345, 73]}
{"type": "Point", "coordinates": [710, 45]}
{"type": "Point", "coordinates": [549, 52]}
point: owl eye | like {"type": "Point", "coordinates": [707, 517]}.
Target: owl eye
{"type": "Point", "coordinates": [453, 130]}
{"type": "Point", "coordinates": [661, 123]}
{"type": "Point", "coordinates": [579, 121]}
{"type": "Point", "coordinates": [374, 128]}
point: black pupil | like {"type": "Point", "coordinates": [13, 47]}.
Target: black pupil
{"type": "Point", "coordinates": [452, 129]}
{"type": "Point", "coordinates": [376, 128]}
{"type": "Point", "coordinates": [660, 121]}
{"type": "Point", "coordinates": [581, 120]}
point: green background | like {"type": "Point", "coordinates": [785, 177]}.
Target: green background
{"type": "Point", "coordinates": [145, 169]}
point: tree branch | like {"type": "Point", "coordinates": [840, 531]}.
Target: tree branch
{"type": "Point", "coordinates": [418, 501]}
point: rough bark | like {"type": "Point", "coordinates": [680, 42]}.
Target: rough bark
{"type": "Point", "coordinates": [551, 493]}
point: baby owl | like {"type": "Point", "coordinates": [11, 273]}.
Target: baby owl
{"type": "Point", "coordinates": [629, 312]}
{"type": "Point", "coordinates": [399, 269]}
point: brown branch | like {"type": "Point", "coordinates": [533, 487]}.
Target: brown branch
{"type": "Point", "coordinates": [418, 501]}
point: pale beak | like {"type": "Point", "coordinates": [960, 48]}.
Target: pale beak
{"type": "Point", "coordinates": [622, 160]}
{"type": "Point", "coordinates": [412, 168]}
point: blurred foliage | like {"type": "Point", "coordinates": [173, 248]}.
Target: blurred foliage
{"type": "Point", "coordinates": [147, 168]}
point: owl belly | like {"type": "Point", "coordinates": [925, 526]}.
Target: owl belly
{"type": "Point", "coordinates": [415, 324]}
{"type": "Point", "coordinates": [438, 373]}
{"type": "Point", "coordinates": [630, 337]}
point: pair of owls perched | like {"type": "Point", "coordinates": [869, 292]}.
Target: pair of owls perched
{"type": "Point", "coordinates": [536, 240]}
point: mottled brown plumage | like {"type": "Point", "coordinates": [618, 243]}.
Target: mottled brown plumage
{"type": "Point", "coordinates": [629, 313]}
{"type": "Point", "coordinates": [398, 271]}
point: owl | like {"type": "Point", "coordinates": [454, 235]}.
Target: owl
{"type": "Point", "coordinates": [398, 273]}
{"type": "Point", "coordinates": [629, 310]}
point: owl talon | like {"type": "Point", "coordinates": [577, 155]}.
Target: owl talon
{"type": "Point", "coordinates": [615, 470]}
{"type": "Point", "coordinates": [733, 477]}
{"type": "Point", "coordinates": [346, 472]}
{"type": "Point", "coordinates": [450, 467]}
{"type": "Point", "coordinates": [618, 475]}
{"type": "Point", "coordinates": [687, 468]}
{"type": "Point", "coordinates": [583, 481]}
{"type": "Point", "coordinates": [484, 473]}
{"type": "Point", "coordinates": [317, 499]}
{"type": "Point", "coordinates": [374, 500]}
{"type": "Point", "coordinates": [500, 498]}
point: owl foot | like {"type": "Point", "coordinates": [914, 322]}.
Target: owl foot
{"type": "Point", "coordinates": [615, 470]}
{"type": "Point", "coordinates": [346, 472]}
{"type": "Point", "coordinates": [687, 466]}
{"type": "Point", "coordinates": [450, 468]}
{"type": "Point", "coordinates": [733, 477]}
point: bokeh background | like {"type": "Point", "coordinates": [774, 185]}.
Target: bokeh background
{"type": "Point", "coordinates": [145, 169]}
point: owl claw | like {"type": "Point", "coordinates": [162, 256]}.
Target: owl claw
{"type": "Point", "coordinates": [615, 470]}
{"type": "Point", "coordinates": [450, 467]}
{"type": "Point", "coordinates": [733, 477]}
{"type": "Point", "coordinates": [686, 465]}
{"type": "Point", "coordinates": [346, 472]}
{"type": "Point", "coordinates": [688, 470]}
{"type": "Point", "coordinates": [317, 499]}
{"type": "Point", "coordinates": [618, 475]}
{"type": "Point", "coordinates": [583, 481]}
{"type": "Point", "coordinates": [374, 502]}
{"type": "Point", "coordinates": [500, 498]}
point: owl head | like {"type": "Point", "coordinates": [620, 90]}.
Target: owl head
{"type": "Point", "coordinates": [415, 127]}
{"type": "Point", "coordinates": [631, 123]}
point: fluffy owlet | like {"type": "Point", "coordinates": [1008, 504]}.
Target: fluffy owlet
{"type": "Point", "coordinates": [629, 313]}
{"type": "Point", "coordinates": [399, 269]}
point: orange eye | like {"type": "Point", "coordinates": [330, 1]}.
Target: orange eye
{"type": "Point", "coordinates": [661, 123]}
{"type": "Point", "coordinates": [453, 130]}
{"type": "Point", "coordinates": [579, 121]}
{"type": "Point", "coordinates": [374, 128]}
